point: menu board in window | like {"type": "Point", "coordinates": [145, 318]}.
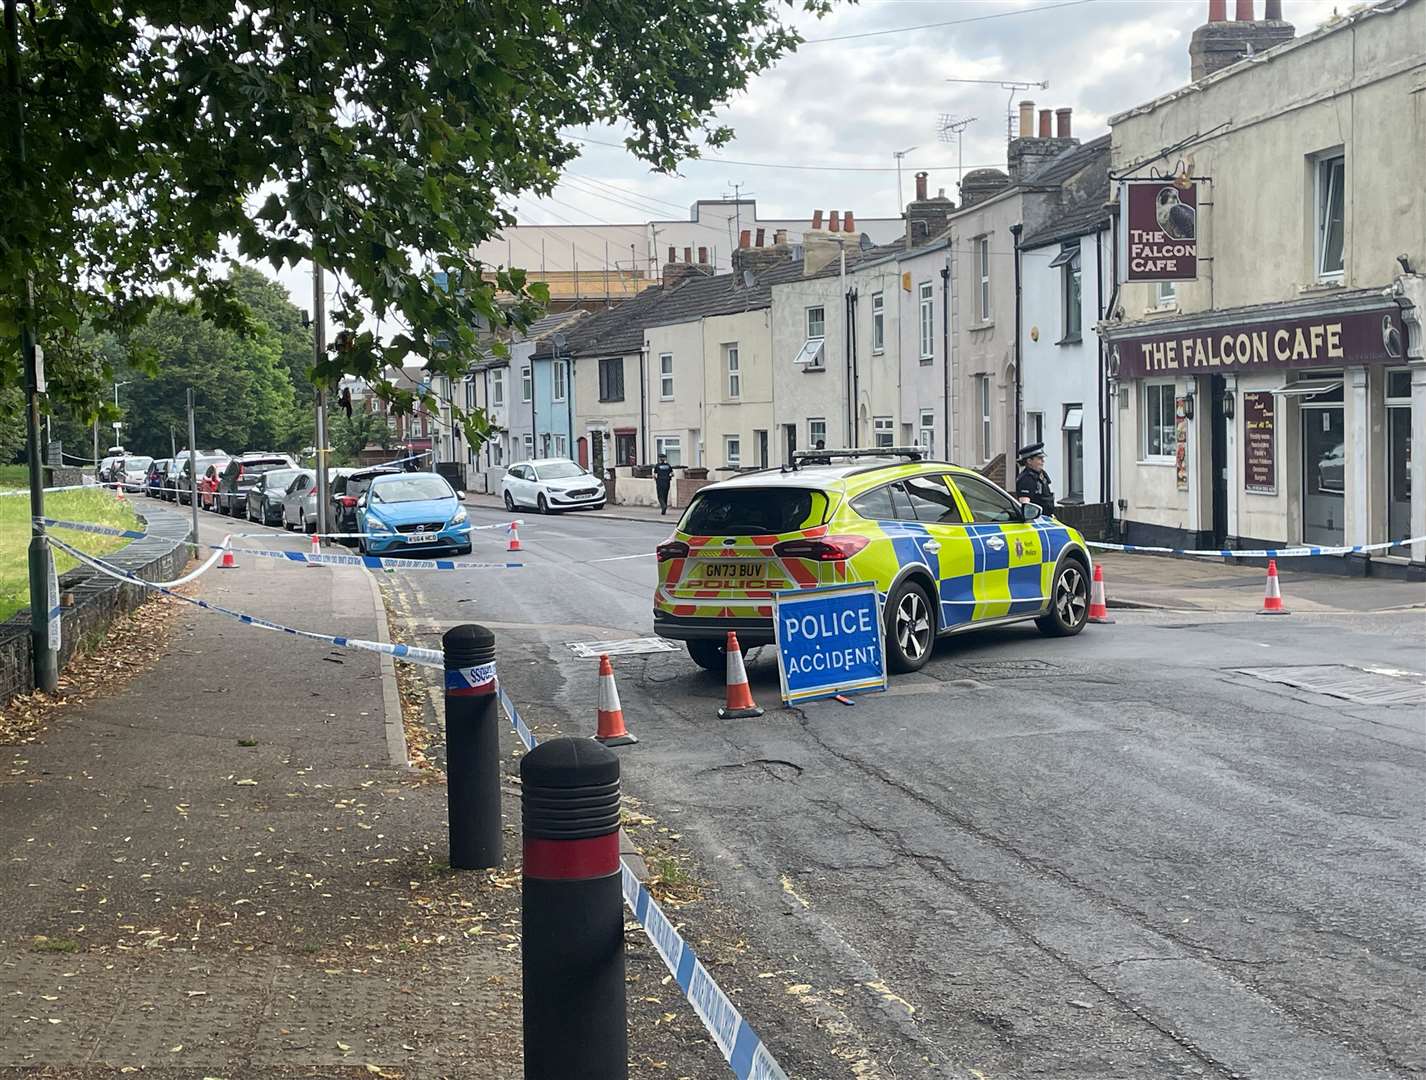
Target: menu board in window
{"type": "Point", "coordinates": [1259, 443]}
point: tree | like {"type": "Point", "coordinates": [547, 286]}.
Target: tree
{"type": "Point", "coordinates": [349, 437]}
{"type": "Point", "coordinates": [381, 138]}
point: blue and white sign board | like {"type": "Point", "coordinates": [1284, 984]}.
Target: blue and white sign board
{"type": "Point", "coordinates": [829, 641]}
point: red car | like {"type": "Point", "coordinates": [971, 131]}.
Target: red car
{"type": "Point", "coordinates": [208, 484]}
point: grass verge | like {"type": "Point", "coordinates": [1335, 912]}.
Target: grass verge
{"type": "Point", "coordinates": [93, 507]}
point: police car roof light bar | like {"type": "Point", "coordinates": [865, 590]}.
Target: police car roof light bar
{"type": "Point", "coordinates": [824, 457]}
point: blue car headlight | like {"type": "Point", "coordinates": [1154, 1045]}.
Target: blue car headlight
{"type": "Point", "coordinates": [374, 524]}
{"type": "Point", "coordinates": [459, 516]}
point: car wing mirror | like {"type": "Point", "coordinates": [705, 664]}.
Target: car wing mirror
{"type": "Point", "coordinates": [1030, 511]}
{"type": "Point", "coordinates": [460, 495]}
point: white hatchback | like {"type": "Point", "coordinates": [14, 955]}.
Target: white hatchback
{"type": "Point", "coordinates": [548, 484]}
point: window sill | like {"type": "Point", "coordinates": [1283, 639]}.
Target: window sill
{"type": "Point", "coordinates": [984, 324]}
{"type": "Point", "coordinates": [1325, 284]}
{"type": "Point", "coordinates": [662, 398]}
{"type": "Point", "coordinates": [1162, 462]}
{"type": "Point", "coordinates": [1077, 339]}
{"type": "Point", "coordinates": [878, 352]}
{"type": "Point", "coordinates": [610, 400]}
{"type": "Point", "coordinates": [1163, 309]}
{"type": "Point", "coordinates": [927, 361]}
{"type": "Point", "coordinates": [810, 368]}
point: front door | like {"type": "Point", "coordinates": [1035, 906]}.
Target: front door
{"type": "Point", "coordinates": [761, 449]}
{"type": "Point", "coordinates": [1398, 458]}
{"type": "Point", "coordinates": [1218, 446]}
{"type": "Point", "coordinates": [790, 434]}
{"type": "Point", "coordinates": [1324, 474]}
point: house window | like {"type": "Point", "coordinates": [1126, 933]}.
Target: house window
{"type": "Point", "coordinates": [670, 446]}
{"type": "Point", "coordinates": [561, 380]}
{"type": "Point", "coordinates": [1165, 294]}
{"type": "Point", "coordinates": [1157, 421]}
{"type": "Point", "coordinates": [611, 379]}
{"type": "Point", "coordinates": [666, 376]}
{"type": "Point", "coordinates": [497, 386]}
{"type": "Point", "coordinates": [1330, 225]}
{"type": "Point", "coordinates": [816, 322]}
{"type": "Point", "coordinates": [1073, 427]}
{"type": "Point", "coordinates": [817, 433]}
{"type": "Point", "coordinates": [1034, 428]}
{"type": "Point", "coordinates": [982, 395]}
{"type": "Point", "coordinates": [928, 323]}
{"type": "Point", "coordinates": [496, 452]}
{"type": "Point", "coordinates": [730, 365]}
{"type": "Point", "coordinates": [1070, 299]}
{"type": "Point", "coordinates": [878, 322]}
{"type": "Point", "coordinates": [883, 431]}
{"type": "Point", "coordinates": [527, 384]}
{"type": "Point", "coordinates": [926, 433]}
{"type": "Point", "coordinates": [469, 395]}
{"type": "Point", "coordinates": [733, 451]}
{"type": "Point", "coordinates": [982, 270]}
{"type": "Point", "coordinates": [529, 443]}
{"type": "Point", "coordinates": [561, 446]}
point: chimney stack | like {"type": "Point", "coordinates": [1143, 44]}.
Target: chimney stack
{"type": "Point", "coordinates": [1044, 123]}
{"type": "Point", "coordinates": [745, 238]}
{"type": "Point", "coordinates": [816, 219]}
{"type": "Point", "coordinates": [1218, 43]}
{"type": "Point", "coordinates": [688, 254]}
{"type": "Point", "coordinates": [847, 224]}
{"type": "Point", "coordinates": [835, 224]}
{"type": "Point", "coordinates": [1027, 119]}
{"type": "Point", "coordinates": [1272, 11]}
{"type": "Point", "coordinates": [779, 236]}
{"type": "Point", "coordinates": [920, 187]}
{"type": "Point", "coordinates": [1062, 123]}
{"type": "Point", "coordinates": [1217, 11]}
{"type": "Point", "coordinates": [1244, 11]}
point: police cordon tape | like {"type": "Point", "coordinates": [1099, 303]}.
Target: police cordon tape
{"type": "Point", "coordinates": [744, 1052]}
{"type": "Point", "coordinates": [1262, 553]}
{"type": "Point", "coordinates": [424, 657]}
{"type": "Point", "coordinates": [134, 534]}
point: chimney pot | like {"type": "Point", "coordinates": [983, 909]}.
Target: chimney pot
{"type": "Point", "coordinates": [1217, 11]}
{"type": "Point", "coordinates": [702, 255]}
{"type": "Point", "coordinates": [847, 223]}
{"type": "Point", "coordinates": [1044, 123]}
{"type": "Point", "coordinates": [672, 254]}
{"type": "Point", "coordinates": [920, 187]}
{"type": "Point", "coordinates": [1244, 11]}
{"type": "Point", "coordinates": [745, 238]}
{"type": "Point", "coordinates": [834, 223]}
{"type": "Point", "coordinates": [1272, 10]}
{"type": "Point", "coordinates": [1027, 119]}
{"type": "Point", "coordinates": [1062, 123]}
{"type": "Point", "coordinates": [780, 236]}
{"type": "Point", "coordinates": [816, 219]}
{"type": "Point", "coordinates": [688, 254]}
{"type": "Point", "coordinates": [760, 237]}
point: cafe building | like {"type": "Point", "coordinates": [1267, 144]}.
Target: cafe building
{"type": "Point", "coordinates": [1263, 345]}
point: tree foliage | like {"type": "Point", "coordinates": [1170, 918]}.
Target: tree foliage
{"type": "Point", "coordinates": [382, 138]}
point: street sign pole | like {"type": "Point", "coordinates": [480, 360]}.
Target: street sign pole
{"type": "Point", "coordinates": [193, 470]}
{"type": "Point", "coordinates": [319, 349]}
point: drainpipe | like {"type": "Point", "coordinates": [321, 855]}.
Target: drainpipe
{"type": "Point", "coordinates": [1015, 231]}
{"type": "Point", "coordinates": [847, 342]}
{"type": "Point", "coordinates": [852, 341]}
{"type": "Point", "coordinates": [946, 354]}
{"type": "Point", "coordinates": [643, 403]}
{"type": "Point", "coordinates": [1103, 394]}
{"type": "Point", "coordinates": [569, 407]}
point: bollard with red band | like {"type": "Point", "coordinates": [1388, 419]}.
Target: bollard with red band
{"type": "Point", "coordinates": [472, 748]}
{"type": "Point", "coordinates": [571, 913]}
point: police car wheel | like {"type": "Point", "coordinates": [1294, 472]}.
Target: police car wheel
{"type": "Point", "coordinates": [708, 655]}
{"type": "Point", "coordinates": [1069, 602]}
{"type": "Point", "coordinates": [910, 628]}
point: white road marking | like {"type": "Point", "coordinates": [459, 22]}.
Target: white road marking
{"type": "Point", "coordinates": [621, 558]}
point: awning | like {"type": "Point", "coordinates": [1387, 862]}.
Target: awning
{"type": "Point", "coordinates": [1074, 419]}
{"type": "Point", "coordinates": [1308, 389]}
{"type": "Point", "coordinates": [811, 353]}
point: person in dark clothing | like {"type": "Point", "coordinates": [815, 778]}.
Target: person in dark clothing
{"type": "Point", "coordinates": [1033, 483]}
{"type": "Point", "coordinates": [663, 479]}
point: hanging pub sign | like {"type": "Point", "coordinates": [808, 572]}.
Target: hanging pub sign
{"type": "Point", "coordinates": [1161, 230]}
{"type": "Point", "coordinates": [1259, 445]}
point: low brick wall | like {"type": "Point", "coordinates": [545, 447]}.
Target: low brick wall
{"type": "Point", "coordinates": [98, 599]}
{"type": "Point", "coordinates": [1095, 520]}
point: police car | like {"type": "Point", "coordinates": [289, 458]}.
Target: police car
{"type": "Point", "coordinates": [949, 551]}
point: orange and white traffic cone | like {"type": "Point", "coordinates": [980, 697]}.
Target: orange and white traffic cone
{"type": "Point", "coordinates": [316, 548]}
{"type": "Point", "coordinates": [1098, 608]}
{"type": "Point", "coordinates": [514, 530]}
{"type": "Point", "coordinates": [612, 731]}
{"type": "Point", "coordinates": [739, 695]}
{"type": "Point", "coordinates": [228, 561]}
{"type": "Point", "coordinates": [1272, 595]}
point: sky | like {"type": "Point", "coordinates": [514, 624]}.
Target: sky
{"type": "Point", "coordinates": [864, 85]}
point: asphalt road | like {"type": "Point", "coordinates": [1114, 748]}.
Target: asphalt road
{"type": "Point", "coordinates": [1116, 855]}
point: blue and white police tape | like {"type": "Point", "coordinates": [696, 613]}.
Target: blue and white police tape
{"type": "Point", "coordinates": [347, 535]}
{"type": "Point", "coordinates": [207, 565]}
{"type": "Point", "coordinates": [479, 679]}
{"type": "Point", "coordinates": [424, 657]}
{"type": "Point", "coordinates": [1261, 553]}
{"type": "Point", "coordinates": [84, 526]}
{"type": "Point", "coordinates": [376, 562]}
{"type": "Point", "coordinates": [739, 1043]}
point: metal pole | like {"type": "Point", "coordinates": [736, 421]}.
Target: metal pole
{"type": "Point", "coordinates": [193, 471]}
{"type": "Point", "coordinates": [319, 349]}
{"type": "Point", "coordinates": [46, 664]}
{"type": "Point", "coordinates": [472, 748]}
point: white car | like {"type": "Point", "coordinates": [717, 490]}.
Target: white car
{"type": "Point", "coordinates": [548, 484]}
{"type": "Point", "coordinates": [299, 502]}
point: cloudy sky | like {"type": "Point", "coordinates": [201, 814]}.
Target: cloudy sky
{"type": "Point", "coordinates": [871, 79]}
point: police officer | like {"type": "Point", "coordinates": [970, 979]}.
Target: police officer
{"type": "Point", "coordinates": [1033, 483]}
{"type": "Point", "coordinates": [663, 478]}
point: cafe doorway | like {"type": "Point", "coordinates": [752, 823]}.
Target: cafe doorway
{"type": "Point", "coordinates": [1324, 463]}
{"type": "Point", "coordinates": [1218, 447]}
{"type": "Point", "coordinates": [1398, 455]}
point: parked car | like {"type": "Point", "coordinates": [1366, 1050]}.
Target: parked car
{"type": "Point", "coordinates": [417, 513]}
{"type": "Point", "coordinates": [263, 501]}
{"type": "Point", "coordinates": [182, 486]}
{"type": "Point", "coordinates": [104, 474]}
{"type": "Point", "coordinates": [208, 484]}
{"type": "Point", "coordinates": [242, 473]}
{"type": "Point", "coordinates": [153, 479]}
{"type": "Point", "coordinates": [948, 549]}
{"type": "Point", "coordinates": [134, 471]}
{"type": "Point", "coordinates": [347, 488]}
{"type": "Point", "coordinates": [551, 484]}
{"type": "Point", "coordinates": [299, 503]}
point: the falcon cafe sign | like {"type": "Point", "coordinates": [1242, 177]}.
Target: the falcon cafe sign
{"type": "Point", "coordinates": [1160, 230]}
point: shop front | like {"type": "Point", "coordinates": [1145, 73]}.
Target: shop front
{"type": "Point", "coordinates": [1268, 426]}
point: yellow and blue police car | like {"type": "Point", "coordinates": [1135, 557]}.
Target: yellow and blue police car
{"type": "Point", "coordinates": [949, 551]}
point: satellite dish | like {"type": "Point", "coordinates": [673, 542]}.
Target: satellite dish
{"type": "Point", "coordinates": [748, 279]}
{"type": "Point", "coordinates": [560, 341]}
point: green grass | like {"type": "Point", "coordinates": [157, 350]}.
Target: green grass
{"type": "Point", "coordinates": [14, 476]}
{"type": "Point", "coordinates": [49, 944]}
{"type": "Point", "coordinates": [94, 507]}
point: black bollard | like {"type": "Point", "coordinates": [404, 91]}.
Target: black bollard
{"type": "Point", "coordinates": [572, 914]}
{"type": "Point", "coordinates": [472, 748]}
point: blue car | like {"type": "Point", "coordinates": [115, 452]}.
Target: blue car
{"type": "Point", "coordinates": [413, 513]}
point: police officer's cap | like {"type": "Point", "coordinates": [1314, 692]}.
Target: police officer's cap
{"type": "Point", "coordinates": [1025, 453]}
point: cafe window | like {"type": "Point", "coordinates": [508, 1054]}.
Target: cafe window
{"type": "Point", "coordinates": [1165, 294]}
{"type": "Point", "coordinates": [1156, 420]}
{"type": "Point", "coordinates": [1330, 225]}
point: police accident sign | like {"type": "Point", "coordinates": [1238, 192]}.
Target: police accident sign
{"type": "Point", "coordinates": [829, 641]}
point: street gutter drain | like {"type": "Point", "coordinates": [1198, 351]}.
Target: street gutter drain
{"type": "Point", "coordinates": [1361, 685]}
{"type": "Point", "coordinates": [1007, 667]}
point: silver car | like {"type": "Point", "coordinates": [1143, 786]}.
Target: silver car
{"type": "Point", "coordinates": [299, 502]}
